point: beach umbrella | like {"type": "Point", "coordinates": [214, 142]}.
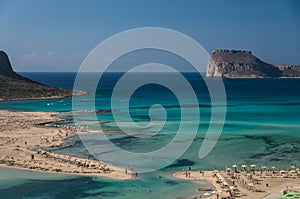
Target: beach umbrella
{"type": "Point", "coordinates": [235, 167]}
{"type": "Point", "coordinates": [283, 171]}
{"type": "Point", "coordinates": [244, 167]}
{"type": "Point", "coordinates": [228, 169]}
{"type": "Point", "coordinates": [253, 167]}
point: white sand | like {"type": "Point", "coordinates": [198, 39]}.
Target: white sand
{"type": "Point", "coordinates": [21, 136]}
{"type": "Point", "coordinates": [274, 189]}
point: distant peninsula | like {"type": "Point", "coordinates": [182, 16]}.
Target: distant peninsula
{"type": "Point", "coordinates": [16, 87]}
{"type": "Point", "coordinates": [243, 64]}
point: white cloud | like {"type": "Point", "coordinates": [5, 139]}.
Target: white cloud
{"type": "Point", "coordinates": [30, 56]}
{"type": "Point", "coordinates": [50, 54]}
{"type": "Point", "coordinates": [34, 56]}
{"type": "Point", "coordinates": [49, 61]}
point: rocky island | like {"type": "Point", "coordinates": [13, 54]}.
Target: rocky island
{"type": "Point", "coordinates": [243, 64]}
{"type": "Point", "coordinates": [16, 87]}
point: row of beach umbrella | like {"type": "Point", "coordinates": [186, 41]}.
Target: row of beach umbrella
{"type": "Point", "coordinates": [253, 166]}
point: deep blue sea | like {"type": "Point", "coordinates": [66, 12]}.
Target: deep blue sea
{"type": "Point", "coordinates": [262, 126]}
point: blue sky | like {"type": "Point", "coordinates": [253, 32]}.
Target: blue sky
{"type": "Point", "coordinates": [52, 35]}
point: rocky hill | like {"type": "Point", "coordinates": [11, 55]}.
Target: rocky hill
{"type": "Point", "coordinates": [243, 64]}
{"type": "Point", "coordinates": [14, 86]}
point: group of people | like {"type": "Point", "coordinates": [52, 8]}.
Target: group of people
{"type": "Point", "coordinates": [188, 172]}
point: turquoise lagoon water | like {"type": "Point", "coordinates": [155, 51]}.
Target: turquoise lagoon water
{"type": "Point", "coordinates": [261, 127]}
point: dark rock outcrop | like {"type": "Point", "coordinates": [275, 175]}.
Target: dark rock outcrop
{"type": "Point", "coordinates": [5, 67]}
{"type": "Point", "coordinates": [14, 86]}
{"type": "Point", "coordinates": [242, 64]}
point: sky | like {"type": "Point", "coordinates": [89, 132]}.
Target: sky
{"type": "Point", "coordinates": [53, 35]}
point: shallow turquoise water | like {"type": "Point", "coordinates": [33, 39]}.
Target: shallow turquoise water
{"type": "Point", "coordinates": [262, 127]}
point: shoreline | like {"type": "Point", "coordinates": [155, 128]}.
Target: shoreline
{"type": "Point", "coordinates": [22, 138]}
{"type": "Point", "coordinates": [231, 184]}
{"type": "Point", "coordinates": [23, 135]}
{"type": "Point", "coordinates": [62, 174]}
{"type": "Point", "coordinates": [73, 94]}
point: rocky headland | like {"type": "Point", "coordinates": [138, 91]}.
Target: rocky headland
{"type": "Point", "coordinates": [16, 87]}
{"type": "Point", "coordinates": [243, 64]}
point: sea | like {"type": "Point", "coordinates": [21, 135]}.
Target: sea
{"type": "Point", "coordinates": [262, 127]}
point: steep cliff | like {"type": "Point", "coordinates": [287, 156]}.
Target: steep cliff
{"type": "Point", "coordinates": [14, 86]}
{"type": "Point", "coordinates": [5, 67]}
{"type": "Point", "coordinates": [242, 64]}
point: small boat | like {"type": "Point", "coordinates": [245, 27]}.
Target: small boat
{"type": "Point", "coordinates": [204, 189]}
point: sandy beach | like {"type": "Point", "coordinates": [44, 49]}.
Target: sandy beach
{"type": "Point", "coordinates": [24, 134]}
{"type": "Point", "coordinates": [267, 185]}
